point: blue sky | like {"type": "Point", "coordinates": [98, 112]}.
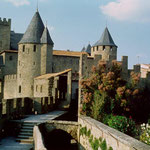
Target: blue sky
{"type": "Point", "coordinates": [75, 23]}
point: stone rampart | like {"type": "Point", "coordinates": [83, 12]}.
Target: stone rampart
{"type": "Point", "coordinates": [11, 77]}
{"type": "Point", "coordinates": [68, 126]}
{"type": "Point", "coordinates": [114, 139]}
{"type": "Point", "coordinates": [10, 86]}
{"type": "Point", "coordinates": [38, 140]}
{"type": "Point", "coordinates": [5, 27]}
{"type": "Point", "coordinates": [4, 21]}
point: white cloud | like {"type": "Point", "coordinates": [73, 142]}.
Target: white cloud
{"type": "Point", "coordinates": [128, 10]}
{"type": "Point", "coordinates": [18, 2]}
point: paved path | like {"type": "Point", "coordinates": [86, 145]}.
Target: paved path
{"type": "Point", "coordinates": [9, 143]}
{"type": "Point", "coordinates": [44, 117]}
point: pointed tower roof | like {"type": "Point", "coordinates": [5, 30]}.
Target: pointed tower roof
{"type": "Point", "coordinates": [34, 31]}
{"type": "Point", "coordinates": [46, 38]}
{"type": "Point", "coordinates": [88, 49]}
{"type": "Point", "coordinates": [106, 39]}
{"type": "Point", "coordinates": [83, 49]}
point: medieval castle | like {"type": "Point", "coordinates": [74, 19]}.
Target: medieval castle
{"type": "Point", "coordinates": [30, 68]}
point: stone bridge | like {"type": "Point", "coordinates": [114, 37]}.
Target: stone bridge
{"type": "Point", "coordinates": [68, 126]}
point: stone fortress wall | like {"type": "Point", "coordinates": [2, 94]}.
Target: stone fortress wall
{"type": "Point", "coordinates": [10, 60]}
{"type": "Point", "coordinates": [115, 139]}
{"type": "Point", "coordinates": [5, 27]}
{"type": "Point", "coordinates": [61, 63]}
{"type": "Point", "coordinates": [46, 58]}
{"type": "Point", "coordinates": [28, 68]}
{"type": "Point", "coordinates": [10, 84]}
{"type": "Point", "coordinates": [107, 52]}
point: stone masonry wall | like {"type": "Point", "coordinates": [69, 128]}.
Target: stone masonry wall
{"type": "Point", "coordinates": [114, 138]}
{"type": "Point", "coordinates": [61, 63]}
{"type": "Point", "coordinates": [41, 88]}
{"type": "Point", "coordinates": [29, 67]}
{"type": "Point", "coordinates": [38, 140]}
{"type": "Point", "coordinates": [5, 27]}
{"type": "Point", "coordinates": [46, 58]}
{"type": "Point", "coordinates": [69, 126]}
{"type": "Point", "coordinates": [10, 84]}
{"type": "Point", "coordinates": [10, 62]}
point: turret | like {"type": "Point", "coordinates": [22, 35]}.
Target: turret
{"type": "Point", "coordinates": [46, 52]}
{"type": "Point", "coordinates": [29, 57]}
{"type": "Point", "coordinates": [105, 47]}
{"type": "Point", "coordinates": [5, 27]}
{"type": "Point", "coordinates": [88, 49]}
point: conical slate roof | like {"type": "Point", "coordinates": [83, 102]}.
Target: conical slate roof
{"type": "Point", "coordinates": [106, 39]}
{"type": "Point", "coordinates": [88, 49]}
{"type": "Point", "coordinates": [83, 49]}
{"type": "Point", "coordinates": [34, 31]}
{"type": "Point", "coordinates": [46, 39]}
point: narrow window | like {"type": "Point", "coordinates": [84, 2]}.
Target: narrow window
{"type": "Point", "coordinates": [23, 49]}
{"type": "Point", "coordinates": [111, 48]}
{"type": "Point", "coordinates": [32, 87]}
{"type": "Point", "coordinates": [20, 75]}
{"type": "Point", "coordinates": [0, 87]}
{"type": "Point", "coordinates": [34, 63]}
{"type": "Point", "coordinates": [103, 47]}
{"type": "Point", "coordinates": [19, 63]}
{"type": "Point", "coordinates": [97, 48]}
{"type": "Point", "coordinates": [0, 43]}
{"type": "Point", "coordinates": [10, 58]}
{"type": "Point", "coordinates": [19, 89]}
{"type": "Point", "coordinates": [36, 88]}
{"type": "Point", "coordinates": [34, 48]}
{"type": "Point", "coordinates": [41, 89]}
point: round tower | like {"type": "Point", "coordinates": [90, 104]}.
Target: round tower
{"type": "Point", "coordinates": [105, 47]}
{"type": "Point", "coordinates": [46, 52]}
{"type": "Point", "coordinates": [29, 57]}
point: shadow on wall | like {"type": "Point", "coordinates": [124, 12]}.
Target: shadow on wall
{"type": "Point", "coordinates": [58, 139]}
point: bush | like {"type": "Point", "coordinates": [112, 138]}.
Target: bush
{"type": "Point", "coordinates": [97, 105]}
{"type": "Point", "coordinates": [145, 136]}
{"type": "Point", "coordinates": [122, 124]}
{"type": "Point", "coordinates": [105, 119]}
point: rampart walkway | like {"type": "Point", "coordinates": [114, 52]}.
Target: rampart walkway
{"type": "Point", "coordinates": [9, 143]}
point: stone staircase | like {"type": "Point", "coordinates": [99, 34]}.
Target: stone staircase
{"type": "Point", "coordinates": [26, 133]}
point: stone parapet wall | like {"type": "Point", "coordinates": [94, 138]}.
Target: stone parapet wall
{"type": "Point", "coordinates": [16, 108]}
{"type": "Point", "coordinates": [114, 138]}
{"type": "Point", "coordinates": [38, 140]}
{"type": "Point", "coordinates": [44, 104]}
{"type": "Point", "coordinates": [10, 86]}
{"type": "Point", "coordinates": [69, 126]}
{"type": "Point", "coordinates": [4, 21]}
{"type": "Point", "coordinates": [10, 77]}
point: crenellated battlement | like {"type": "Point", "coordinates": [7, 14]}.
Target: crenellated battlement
{"type": "Point", "coordinates": [10, 77]}
{"type": "Point", "coordinates": [4, 21]}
